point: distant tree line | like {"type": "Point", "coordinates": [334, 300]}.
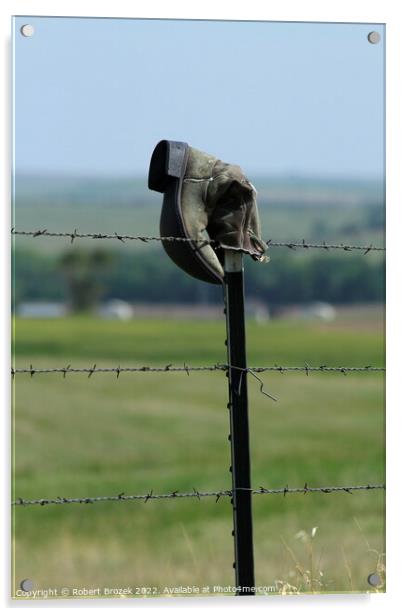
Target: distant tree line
{"type": "Point", "coordinates": [83, 277]}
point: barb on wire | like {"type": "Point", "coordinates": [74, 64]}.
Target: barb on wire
{"type": "Point", "coordinates": [307, 369]}
{"type": "Point", "coordinates": [122, 496]}
{"type": "Point", "coordinates": [204, 241]}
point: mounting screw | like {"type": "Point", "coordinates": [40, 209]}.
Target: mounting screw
{"type": "Point", "coordinates": [26, 585]}
{"type": "Point", "coordinates": [374, 579]}
{"type": "Point", "coordinates": [374, 37]}
{"type": "Point", "coordinates": [27, 30]}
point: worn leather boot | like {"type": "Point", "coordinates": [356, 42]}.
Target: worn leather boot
{"type": "Point", "coordinates": [204, 199]}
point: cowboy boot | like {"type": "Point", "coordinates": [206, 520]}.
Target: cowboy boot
{"type": "Point", "coordinates": [204, 199]}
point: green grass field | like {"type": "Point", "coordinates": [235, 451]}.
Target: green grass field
{"type": "Point", "coordinates": [78, 437]}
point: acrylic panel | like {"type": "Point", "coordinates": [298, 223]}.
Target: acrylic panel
{"type": "Point", "coordinates": [122, 432]}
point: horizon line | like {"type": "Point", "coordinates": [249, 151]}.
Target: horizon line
{"type": "Point", "coordinates": [289, 176]}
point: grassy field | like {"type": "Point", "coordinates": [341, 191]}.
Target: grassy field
{"type": "Point", "coordinates": [86, 437]}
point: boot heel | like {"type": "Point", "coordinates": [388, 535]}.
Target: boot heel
{"type": "Point", "coordinates": [168, 163]}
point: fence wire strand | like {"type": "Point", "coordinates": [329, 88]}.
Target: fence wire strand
{"type": "Point", "coordinates": [185, 368]}
{"type": "Point", "coordinates": [73, 235]}
{"type": "Point", "coordinates": [194, 494]}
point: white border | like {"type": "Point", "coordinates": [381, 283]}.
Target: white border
{"type": "Point", "coordinates": [381, 11]}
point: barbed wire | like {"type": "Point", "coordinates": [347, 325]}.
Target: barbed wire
{"type": "Point", "coordinates": [194, 494]}
{"type": "Point", "coordinates": [150, 238]}
{"type": "Point", "coordinates": [185, 368]}
{"type": "Point", "coordinates": [325, 246]}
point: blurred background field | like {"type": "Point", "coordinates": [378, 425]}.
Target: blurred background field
{"type": "Point", "coordinates": [86, 437]}
{"type": "Point", "coordinates": [164, 432]}
{"type": "Point", "coordinates": [291, 209]}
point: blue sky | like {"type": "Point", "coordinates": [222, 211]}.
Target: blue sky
{"type": "Point", "coordinates": [93, 96]}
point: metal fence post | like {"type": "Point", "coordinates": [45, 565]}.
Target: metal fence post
{"type": "Point", "coordinates": [239, 429]}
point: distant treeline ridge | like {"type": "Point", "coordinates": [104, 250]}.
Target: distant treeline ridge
{"type": "Point", "coordinates": [150, 276]}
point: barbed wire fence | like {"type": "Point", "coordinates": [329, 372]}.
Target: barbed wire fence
{"type": "Point", "coordinates": [203, 242]}
{"type": "Point", "coordinates": [215, 368]}
{"type": "Point", "coordinates": [87, 500]}
{"type": "Point", "coordinates": [170, 368]}
{"type": "Point", "coordinates": [306, 369]}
